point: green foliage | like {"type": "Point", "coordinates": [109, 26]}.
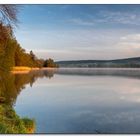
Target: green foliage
{"type": "Point", "coordinates": [22, 58]}
{"type": "Point", "coordinates": [8, 61]}
{"type": "Point", "coordinates": [3, 128]}
{"type": "Point", "coordinates": [50, 63]}
{"type": "Point", "coordinates": [28, 122]}
{"type": "Point", "coordinates": [12, 54]}
{"type": "Point", "coordinates": [29, 125]}
{"type": "Point", "coordinates": [11, 123]}
{"type": "Point", "coordinates": [7, 48]}
{"type": "Point", "coordinates": [10, 87]}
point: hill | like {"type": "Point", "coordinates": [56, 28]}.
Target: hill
{"type": "Point", "coordinates": [127, 62]}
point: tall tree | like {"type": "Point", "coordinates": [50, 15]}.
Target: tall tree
{"type": "Point", "coordinates": [33, 57]}
{"type": "Point", "coordinates": [8, 20]}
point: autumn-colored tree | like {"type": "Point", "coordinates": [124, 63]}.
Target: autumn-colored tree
{"type": "Point", "coordinates": [11, 53]}
{"type": "Point", "coordinates": [8, 19]}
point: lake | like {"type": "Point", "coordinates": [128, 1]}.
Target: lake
{"type": "Point", "coordinates": [79, 100]}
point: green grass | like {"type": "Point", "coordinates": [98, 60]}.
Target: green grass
{"type": "Point", "coordinates": [11, 123]}
{"type": "Point", "coordinates": [29, 125]}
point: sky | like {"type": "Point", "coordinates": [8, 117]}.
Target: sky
{"type": "Point", "coordinates": [80, 32]}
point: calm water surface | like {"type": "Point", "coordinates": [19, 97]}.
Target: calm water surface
{"type": "Point", "coordinates": [81, 100]}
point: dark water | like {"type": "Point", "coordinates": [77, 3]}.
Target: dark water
{"type": "Point", "coordinates": [79, 100]}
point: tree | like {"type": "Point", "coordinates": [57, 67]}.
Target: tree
{"type": "Point", "coordinates": [8, 20]}
{"type": "Point", "coordinates": [5, 33]}
{"type": "Point", "coordinates": [8, 14]}
{"type": "Point", "coordinates": [33, 57]}
{"type": "Point", "coordinates": [7, 60]}
{"type": "Point", "coordinates": [50, 63]}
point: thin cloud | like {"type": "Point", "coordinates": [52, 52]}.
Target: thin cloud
{"type": "Point", "coordinates": [79, 21]}
{"type": "Point", "coordinates": [120, 17]}
{"type": "Point", "coordinates": [67, 32]}
{"type": "Point", "coordinates": [108, 17]}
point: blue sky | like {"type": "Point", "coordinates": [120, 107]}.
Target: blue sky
{"type": "Point", "coordinates": [72, 32]}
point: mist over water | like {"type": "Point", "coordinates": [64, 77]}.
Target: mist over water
{"type": "Point", "coordinates": [80, 100]}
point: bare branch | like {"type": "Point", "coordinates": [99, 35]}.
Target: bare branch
{"type": "Point", "coordinates": [9, 14]}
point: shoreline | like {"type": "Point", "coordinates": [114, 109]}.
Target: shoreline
{"type": "Point", "coordinates": [25, 70]}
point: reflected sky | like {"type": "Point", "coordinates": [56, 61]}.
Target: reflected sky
{"type": "Point", "coordinates": [82, 104]}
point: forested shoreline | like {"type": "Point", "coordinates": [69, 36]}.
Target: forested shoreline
{"type": "Point", "coordinates": [11, 53]}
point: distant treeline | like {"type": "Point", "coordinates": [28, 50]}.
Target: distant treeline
{"type": "Point", "coordinates": [12, 54]}
{"type": "Point", "coordinates": [119, 63]}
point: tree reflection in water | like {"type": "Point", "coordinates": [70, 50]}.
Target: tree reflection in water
{"type": "Point", "coordinates": [10, 87]}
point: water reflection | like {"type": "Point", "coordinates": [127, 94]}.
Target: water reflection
{"type": "Point", "coordinates": [76, 100]}
{"type": "Point", "coordinates": [123, 72]}
{"type": "Point", "coordinates": [12, 84]}
{"type": "Point", "coordinates": [10, 87]}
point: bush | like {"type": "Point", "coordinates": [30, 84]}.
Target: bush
{"type": "Point", "coordinates": [11, 123]}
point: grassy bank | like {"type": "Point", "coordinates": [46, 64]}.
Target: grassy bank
{"type": "Point", "coordinates": [11, 123]}
{"type": "Point", "coordinates": [22, 69]}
